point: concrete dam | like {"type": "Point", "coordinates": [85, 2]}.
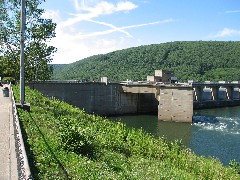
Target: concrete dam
{"type": "Point", "coordinates": [172, 102]}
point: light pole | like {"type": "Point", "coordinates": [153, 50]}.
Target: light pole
{"type": "Point", "coordinates": [22, 33]}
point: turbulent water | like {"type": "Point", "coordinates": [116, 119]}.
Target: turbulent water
{"type": "Point", "coordinates": [217, 135]}
{"type": "Point", "coordinates": [214, 132]}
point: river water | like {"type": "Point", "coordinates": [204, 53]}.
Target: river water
{"type": "Point", "coordinates": [214, 132]}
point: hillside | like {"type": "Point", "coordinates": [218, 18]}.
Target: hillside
{"type": "Point", "coordinates": [57, 67]}
{"type": "Point", "coordinates": [198, 60]}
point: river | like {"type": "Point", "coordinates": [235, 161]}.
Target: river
{"type": "Point", "coordinates": [214, 132]}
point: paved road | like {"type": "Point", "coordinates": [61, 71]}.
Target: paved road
{"type": "Point", "coordinates": [8, 161]}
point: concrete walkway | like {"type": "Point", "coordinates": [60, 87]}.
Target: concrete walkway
{"type": "Point", "coordinates": [8, 160]}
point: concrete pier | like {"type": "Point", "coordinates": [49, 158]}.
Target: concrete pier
{"type": "Point", "coordinates": [175, 103]}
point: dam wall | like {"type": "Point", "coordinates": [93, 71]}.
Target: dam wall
{"type": "Point", "coordinates": [99, 98]}
{"type": "Point", "coordinates": [172, 102]}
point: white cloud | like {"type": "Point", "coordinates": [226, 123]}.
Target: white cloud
{"type": "Point", "coordinates": [113, 28]}
{"type": "Point", "coordinates": [103, 7]}
{"type": "Point", "coordinates": [125, 6]}
{"type": "Point", "coordinates": [71, 49]}
{"type": "Point", "coordinates": [77, 5]}
{"type": "Point", "coordinates": [226, 32]}
{"type": "Point", "coordinates": [147, 24]}
{"type": "Point", "coordinates": [74, 44]}
{"type": "Point", "coordinates": [51, 14]}
{"type": "Point", "coordinates": [99, 9]}
{"type": "Point", "coordinates": [121, 29]}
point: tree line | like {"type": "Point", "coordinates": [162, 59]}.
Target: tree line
{"type": "Point", "coordinates": [39, 31]}
{"type": "Point", "coordinates": [190, 60]}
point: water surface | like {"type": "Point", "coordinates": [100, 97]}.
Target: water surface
{"type": "Point", "coordinates": [214, 132]}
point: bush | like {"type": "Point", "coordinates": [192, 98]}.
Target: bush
{"type": "Point", "coordinates": [8, 80]}
{"type": "Point", "coordinates": [235, 165]}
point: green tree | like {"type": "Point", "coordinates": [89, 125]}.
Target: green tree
{"type": "Point", "coordinates": [38, 32]}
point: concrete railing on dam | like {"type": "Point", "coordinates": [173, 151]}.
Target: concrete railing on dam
{"type": "Point", "coordinates": [173, 102]}
{"type": "Point", "coordinates": [211, 95]}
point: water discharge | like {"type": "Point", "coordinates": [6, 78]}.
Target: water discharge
{"type": "Point", "coordinates": [219, 135]}
{"type": "Point", "coordinates": [223, 124]}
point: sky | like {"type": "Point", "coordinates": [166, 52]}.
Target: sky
{"type": "Point", "coordinates": [91, 27]}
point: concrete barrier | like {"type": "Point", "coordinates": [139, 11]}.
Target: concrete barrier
{"type": "Point", "coordinates": [22, 159]}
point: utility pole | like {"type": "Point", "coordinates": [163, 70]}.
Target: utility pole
{"type": "Point", "coordinates": [22, 33]}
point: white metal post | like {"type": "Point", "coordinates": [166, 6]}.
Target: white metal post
{"type": "Point", "coordinates": [22, 32]}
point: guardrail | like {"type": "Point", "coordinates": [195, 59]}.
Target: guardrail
{"type": "Point", "coordinates": [22, 160]}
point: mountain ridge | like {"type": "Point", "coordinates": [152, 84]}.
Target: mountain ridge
{"type": "Point", "coordinates": [198, 60]}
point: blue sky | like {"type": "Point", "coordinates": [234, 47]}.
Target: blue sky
{"type": "Point", "coordinates": [90, 27]}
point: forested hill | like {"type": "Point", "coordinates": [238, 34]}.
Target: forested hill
{"type": "Point", "coordinates": [193, 60]}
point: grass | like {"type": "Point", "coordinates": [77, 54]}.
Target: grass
{"type": "Point", "coordinates": [64, 142]}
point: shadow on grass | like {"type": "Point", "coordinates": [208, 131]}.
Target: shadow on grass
{"type": "Point", "coordinates": [32, 163]}
{"type": "Point", "coordinates": [30, 155]}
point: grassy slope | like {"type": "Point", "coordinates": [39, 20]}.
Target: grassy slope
{"type": "Point", "coordinates": [67, 143]}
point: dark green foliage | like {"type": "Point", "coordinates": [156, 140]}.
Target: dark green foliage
{"type": "Point", "coordinates": [8, 80]}
{"type": "Point", "coordinates": [66, 143]}
{"type": "Point", "coordinates": [76, 139]}
{"type": "Point", "coordinates": [196, 60]}
{"type": "Point", "coordinates": [56, 67]}
{"type": "Point", "coordinates": [236, 165]}
{"type": "Point", "coordinates": [224, 74]}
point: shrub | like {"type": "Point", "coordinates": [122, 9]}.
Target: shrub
{"type": "Point", "coordinates": [8, 80]}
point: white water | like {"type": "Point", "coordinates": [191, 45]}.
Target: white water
{"type": "Point", "coordinates": [223, 124]}
{"type": "Point", "coordinates": [216, 132]}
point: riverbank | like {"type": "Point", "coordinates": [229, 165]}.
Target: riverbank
{"type": "Point", "coordinates": [65, 142]}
